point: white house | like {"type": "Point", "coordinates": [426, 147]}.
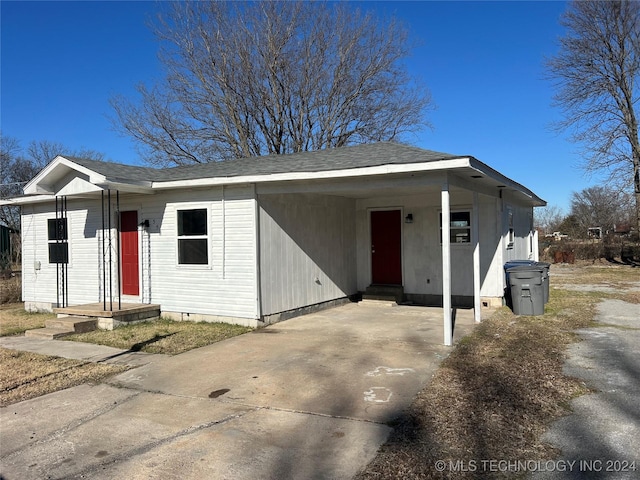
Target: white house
{"type": "Point", "coordinates": [255, 240]}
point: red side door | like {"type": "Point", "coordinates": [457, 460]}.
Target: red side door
{"type": "Point", "coordinates": [386, 247]}
{"type": "Point", "coordinates": [129, 253]}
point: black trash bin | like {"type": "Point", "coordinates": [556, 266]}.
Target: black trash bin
{"type": "Point", "coordinates": [527, 289]}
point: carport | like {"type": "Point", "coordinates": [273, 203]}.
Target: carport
{"type": "Point", "coordinates": [329, 223]}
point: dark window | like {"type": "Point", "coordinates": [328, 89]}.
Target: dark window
{"type": "Point", "coordinates": [193, 241]}
{"type": "Point", "coordinates": [57, 228]}
{"type": "Point", "coordinates": [59, 253]}
{"type": "Point", "coordinates": [460, 227]}
{"type": "Point", "coordinates": [57, 239]}
{"type": "Point", "coordinates": [192, 251]}
{"type": "Point", "coordinates": [511, 238]}
{"type": "Point", "coordinates": [192, 222]}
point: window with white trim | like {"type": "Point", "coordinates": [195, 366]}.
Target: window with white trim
{"type": "Point", "coordinates": [531, 233]}
{"type": "Point", "coordinates": [511, 238]}
{"type": "Point", "coordinates": [459, 227]}
{"type": "Point", "coordinates": [57, 239]}
{"type": "Point", "coordinates": [193, 237]}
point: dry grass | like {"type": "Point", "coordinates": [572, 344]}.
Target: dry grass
{"type": "Point", "coordinates": [14, 319]}
{"type": "Point", "coordinates": [498, 391]}
{"type": "Point", "coordinates": [10, 290]}
{"type": "Point", "coordinates": [162, 336]}
{"type": "Point", "coordinates": [27, 375]}
{"type": "Point", "coordinates": [623, 278]}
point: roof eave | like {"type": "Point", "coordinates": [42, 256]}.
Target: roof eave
{"type": "Point", "coordinates": [37, 185]}
{"type": "Point", "coordinates": [27, 200]}
{"type": "Point", "coordinates": [127, 186]}
{"type": "Point", "coordinates": [485, 169]}
{"type": "Point", "coordinates": [454, 163]}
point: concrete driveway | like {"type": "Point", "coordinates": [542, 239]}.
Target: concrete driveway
{"type": "Point", "coordinates": [307, 398]}
{"type": "Point", "coordinates": [600, 439]}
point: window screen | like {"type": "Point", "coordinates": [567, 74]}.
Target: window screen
{"type": "Point", "coordinates": [460, 227]}
{"type": "Point", "coordinates": [57, 240]}
{"type": "Point", "coordinates": [193, 240]}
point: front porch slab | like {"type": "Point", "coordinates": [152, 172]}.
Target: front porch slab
{"type": "Point", "coordinates": [128, 313]}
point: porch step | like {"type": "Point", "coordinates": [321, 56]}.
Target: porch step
{"type": "Point", "coordinates": [122, 314]}
{"type": "Point", "coordinates": [386, 293]}
{"type": "Point", "coordinates": [48, 333]}
{"type": "Point", "coordinates": [75, 324]}
{"type": "Point", "coordinates": [379, 302]}
{"type": "Point", "coordinates": [61, 327]}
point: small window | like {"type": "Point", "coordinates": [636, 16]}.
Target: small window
{"type": "Point", "coordinates": [57, 240]}
{"type": "Point", "coordinates": [460, 227]}
{"type": "Point", "coordinates": [193, 240]}
{"type": "Point", "coordinates": [511, 237]}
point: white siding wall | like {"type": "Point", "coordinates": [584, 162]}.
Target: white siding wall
{"type": "Point", "coordinates": [521, 248]}
{"type": "Point", "coordinates": [422, 251]}
{"type": "Point", "coordinates": [313, 248]}
{"type": "Point", "coordinates": [523, 227]}
{"type": "Point", "coordinates": [307, 250]}
{"type": "Point", "coordinates": [225, 288]}
{"type": "Point", "coordinates": [39, 286]}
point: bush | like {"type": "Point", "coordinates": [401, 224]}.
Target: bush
{"type": "Point", "coordinates": [611, 249]}
{"type": "Point", "coordinates": [10, 289]}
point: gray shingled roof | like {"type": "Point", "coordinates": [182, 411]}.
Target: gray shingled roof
{"type": "Point", "coordinates": [359, 156]}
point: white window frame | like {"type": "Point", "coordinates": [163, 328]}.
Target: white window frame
{"type": "Point", "coordinates": [207, 237]}
{"type": "Point", "coordinates": [511, 240]}
{"type": "Point", "coordinates": [451, 227]}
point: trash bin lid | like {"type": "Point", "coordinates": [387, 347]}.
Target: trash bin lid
{"type": "Point", "coordinates": [518, 263]}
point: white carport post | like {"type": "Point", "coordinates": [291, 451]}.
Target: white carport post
{"type": "Point", "coordinates": [475, 230]}
{"type": "Point", "coordinates": [446, 264]}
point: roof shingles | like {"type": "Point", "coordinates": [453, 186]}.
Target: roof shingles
{"type": "Point", "coordinates": [359, 156]}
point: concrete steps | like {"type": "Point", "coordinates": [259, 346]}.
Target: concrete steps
{"type": "Point", "coordinates": [48, 333]}
{"type": "Point", "coordinates": [61, 327]}
{"type": "Point", "coordinates": [126, 314]}
{"type": "Point", "coordinates": [89, 317]}
{"type": "Point", "coordinates": [384, 293]}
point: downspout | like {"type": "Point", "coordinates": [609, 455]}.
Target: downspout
{"type": "Point", "coordinates": [257, 240]}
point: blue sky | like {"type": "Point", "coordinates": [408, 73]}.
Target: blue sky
{"type": "Point", "coordinates": [483, 62]}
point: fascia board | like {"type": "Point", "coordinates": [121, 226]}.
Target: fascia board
{"type": "Point", "coordinates": [129, 187]}
{"type": "Point", "coordinates": [506, 181]}
{"type": "Point", "coordinates": [16, 201]}
{"type": "Point", "coordinates": [329, 174]}
{"type": "Point", "coordinates": [37, 185]}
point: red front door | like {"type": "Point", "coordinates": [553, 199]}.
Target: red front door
{"type": "Point", "coordinates": [386, 247]}
{"type": "Point", "coordinates": [129, 252]}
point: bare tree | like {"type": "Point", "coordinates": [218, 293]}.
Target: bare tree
{"type": "Point", "coordinates": [43, 151]}
{"type": "Point", "coordinates": [248, 79]}
{"type": "Point", "coordinates": [598, 77]}
{"type": "Point", "coordinates": [548, 218]}
{"type": "Point", "coordinates": [600, 207]}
